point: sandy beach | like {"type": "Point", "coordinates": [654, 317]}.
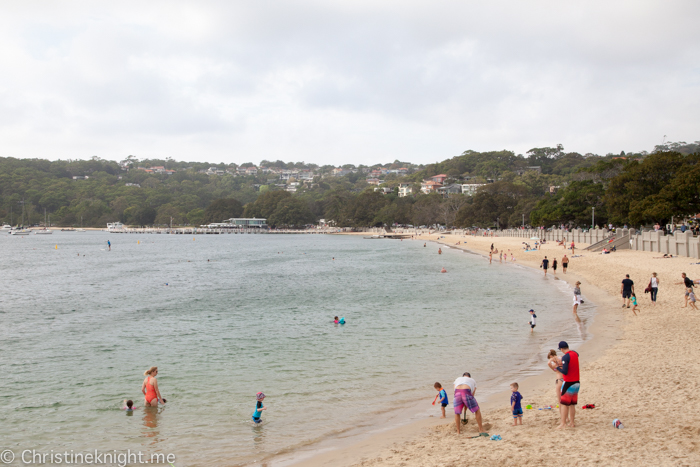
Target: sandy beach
{"type": "Point", "coordinates": [637, 369]}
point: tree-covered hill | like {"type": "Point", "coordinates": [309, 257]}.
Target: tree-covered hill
{"type": "Point", "coordinates": [543, 187]}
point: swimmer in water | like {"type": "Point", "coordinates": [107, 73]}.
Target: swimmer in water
{"type": "Point", "coordinates": [443, 270]}
{"type": "Point", "coordinates": [439, 251]}
{"type": "Point", "coordinates": [335, 320]}
{"type": "Point", "coordinates": [129, 405]}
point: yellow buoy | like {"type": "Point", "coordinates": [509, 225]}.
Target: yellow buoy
{"type": "Point", "coordinates": [57, 247]}
{"type": "Point", "coordinates": [193, 239]}
{"type": "Point", "coordinates": [139, 242]}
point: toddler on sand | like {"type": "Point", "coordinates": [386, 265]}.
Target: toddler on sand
{"type": "Point", "coordinates": [633, 300]}
{"type": "Point", "coordinates": [515, 399]}
{"type": "Point", "coordinates": [691, 298]}
{"type": "Point", "coordinates": [442, 395]}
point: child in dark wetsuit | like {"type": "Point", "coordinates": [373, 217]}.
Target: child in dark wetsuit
{"type": "Point", "coordinates": [258, 407]}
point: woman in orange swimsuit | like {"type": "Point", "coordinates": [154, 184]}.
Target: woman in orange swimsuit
{"type": "Point", "coordinates": [150, 387]}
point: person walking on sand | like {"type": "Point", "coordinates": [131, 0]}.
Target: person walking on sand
{"type": "Point", "coordinates": [545, 265]}
{"type": "Point", "coordinates": [626, 289]}
{"type": "Point", "coordinates": [465, 389]}
{"type": "Point", "coordinates": [564, 263]}
{"type": "Point", "coordinates": [149, 388]}
{"type": "Point", "coordinates": [653, 287]}
{"type": "Point", "coordinates": [688, 283]}
{"type": "Point", "coordinates": [577, 300]}
{"type": "Point", "coordinates": [554, 265]}
{"type": "Point", "coordinates": [572, 248]}
{"type": "Point", "coordinates": [570, 389]}
{"type": "Point", "coordinates": [490, 256]}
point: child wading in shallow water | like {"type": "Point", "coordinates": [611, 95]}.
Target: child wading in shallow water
{"type": "Point", "coordinates": [533, 320]}
{"type": "Point", "coordinates": [442, 395]}
{"type": "Point", "coordinates": [515, 399]}
{"type": "Point", "coordinates": [260, 397]}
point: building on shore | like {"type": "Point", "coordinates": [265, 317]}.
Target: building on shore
{"type": "Point", "coordinates": [239, 223]}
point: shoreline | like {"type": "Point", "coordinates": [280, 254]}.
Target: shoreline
{"type": "Point", "coordinates": [634, 369]}
{"type": "Point", "coordinates": [356, 449]}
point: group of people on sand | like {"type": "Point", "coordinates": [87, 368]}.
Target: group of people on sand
{"type": "Point", "coordinates": [567, 388]}
{"type": "Point", "coordinates": [545, 264]}
{"type": "Point", "coordinates": [464, 398]}
{"type": "Point", "coordinates": [629, 296]}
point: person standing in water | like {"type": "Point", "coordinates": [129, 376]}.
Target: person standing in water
{"type": "Point", "coordinates": [554, 265]}
{"type": "Point", "coordinates": [577, 299]}
{"type": "Point", "coordinates": [439, 251]}
{"type": "Point", "coordinates": [150, 388]}
{"type": "Point", "coordinates": [545, 265]}
{"type": "Point", "coordinates": [109, 245]}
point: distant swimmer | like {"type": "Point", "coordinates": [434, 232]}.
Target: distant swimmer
{"type": "Point", "coordinates": [109, 245]}
{"type": "Point", "coordinates": [149, 388]}
{"type": "Point", "coordinates": [335, 320]}
{"type": "Point", "coordinates": [439, 251]}
{"type": "Point", "coordinates": [424, 245]}
{"type": "Point", "coordinates": [443, 270]}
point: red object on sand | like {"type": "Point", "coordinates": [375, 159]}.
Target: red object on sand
{"type": "Point", "coordinates": [435, 399]}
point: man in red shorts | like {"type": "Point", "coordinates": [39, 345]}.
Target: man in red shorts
{"type": "Point", "coordinates": [571, 386]}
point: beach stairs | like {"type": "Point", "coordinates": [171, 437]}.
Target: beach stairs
{"type": "Point", "coordinates": [620, 242]}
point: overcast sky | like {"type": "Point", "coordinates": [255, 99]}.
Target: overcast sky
{"type": "Point", "coordinates": [335, 82]}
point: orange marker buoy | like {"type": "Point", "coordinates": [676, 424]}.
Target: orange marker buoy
{"type": "Point", "coordinates": [138, 242]}
{"type": "Point", "coordinates": [57, 247]}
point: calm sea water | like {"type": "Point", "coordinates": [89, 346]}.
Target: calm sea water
{"type": "Point", "coordinates": [248, 313]}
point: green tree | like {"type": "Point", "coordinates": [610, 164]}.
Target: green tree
{"type": "Point", "coordinates": [291, 212]}
{"type": "Point", "coordinates": [222, 209]}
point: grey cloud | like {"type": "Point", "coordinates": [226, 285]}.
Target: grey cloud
{"type": "Point", "coordinates": [339, 82]}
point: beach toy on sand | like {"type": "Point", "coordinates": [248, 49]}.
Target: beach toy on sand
{"type": "Point", "coordinates": [528, 406]}
{"type": "Point", "coordinates": [434, 400]}
{"type": "Point", "coordinates": [617, 423]}
{"type": "Point", "coordinates": [496, 438]}
{"type": "Point", "coordinates": [588, 406]}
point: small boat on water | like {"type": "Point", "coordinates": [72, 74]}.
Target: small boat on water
{"type": "Point", "coordinates": [43, 231]}
{"type": "Point", "coordinates": [80, 230]}
{"type": "Point", "coordinates": [20, 232]}
{"type": "Point", "coordinates": [115, 226]}
{"type": "Point", "coordinates": [6, 228]}
{"type": "Point", "coordinates": [68, 230]}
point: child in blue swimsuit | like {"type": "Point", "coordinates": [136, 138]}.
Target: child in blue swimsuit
{"type": "Point", "coordinates": [258, 407]}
